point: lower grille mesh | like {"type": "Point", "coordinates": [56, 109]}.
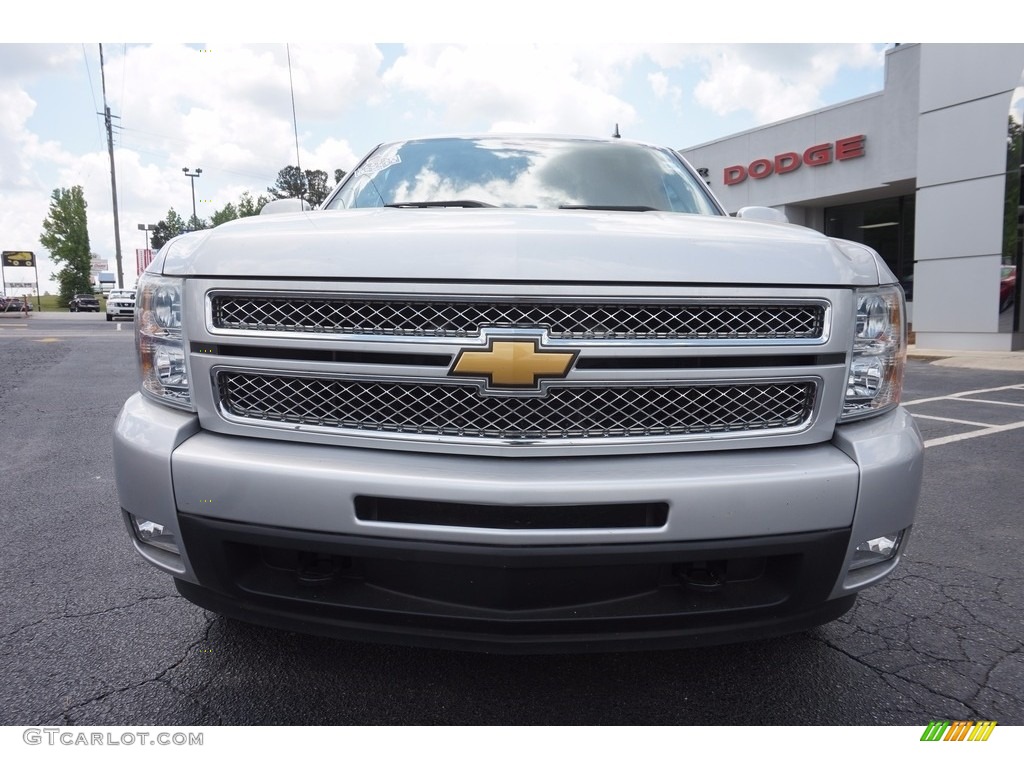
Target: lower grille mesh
{"type": "Point", "coordinates": [565, 412]}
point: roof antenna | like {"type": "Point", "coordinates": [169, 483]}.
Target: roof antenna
{"type": "Point", "coordinates": [295, 125]}
{"type": "Point", "coordinates": [616, 135]}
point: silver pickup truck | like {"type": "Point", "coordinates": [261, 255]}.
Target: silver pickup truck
{"type": "Point", "coordinates": [520, 394]}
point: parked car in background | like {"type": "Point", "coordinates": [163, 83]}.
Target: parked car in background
{"type": "Point", "coordinates": [84, 302]}
{"type": "Point", "coordinates": [1007, 287]}
{"type": "Point", "coordinates": [12, 305]}
{"type": "Point", "coordinates": [121, 303]}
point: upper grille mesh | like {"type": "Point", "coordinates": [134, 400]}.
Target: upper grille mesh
{"type": "Point", "coordinates": [563, 320]}
{"type": "Point", "coordinates": [566, 412]}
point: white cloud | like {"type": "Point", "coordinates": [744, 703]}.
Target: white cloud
{"type": "Point", "coordinates": [19, 63]}
{"type": "Point", "coordinates": [774, 81]}
{"type": "Point", "coordinates": [329, 155]}
{"type": "Point", "coordinates": [16, 107]}
{"type": "Point", "coordinates": [664, 90]}
{"type": "Point", "coordinates": [528, 88]}
{"type": "Point", "coordinates": [659, 84]}
{"type": "Point", "coordinates": [227, 109]}
{"type": "Point", "coordinates": [228, 106]}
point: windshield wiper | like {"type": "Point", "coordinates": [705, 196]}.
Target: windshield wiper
{"type": "Point", "coordinates": [443, 204]}
{"type": "Point", "coordinates": [606, 208]}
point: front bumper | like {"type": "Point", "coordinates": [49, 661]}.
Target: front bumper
{"type": "Point", "coordinates": [746, 543]}
{"type": "Point", "coordinates": [514, 599]}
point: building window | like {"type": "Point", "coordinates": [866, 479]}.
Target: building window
{"type": "Point", "coordinates": [1013, 216]}
{"type": "Point", "coordinates": [885, 225]}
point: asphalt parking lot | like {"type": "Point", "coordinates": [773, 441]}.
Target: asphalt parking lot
{"type": "Point", "coordinates": [91, 635]}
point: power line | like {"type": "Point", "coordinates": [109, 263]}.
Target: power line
{"type": "Point", "coordinates": [261, 177]}
{"type": "Point", "coordinates": [182, 142]}
{"type": "Point", "coordinates": [92, 92]}
{"type": "Point", "coordinates": [124, 74]}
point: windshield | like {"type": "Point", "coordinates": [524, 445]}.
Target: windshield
{"type": "Point", "coordinates": [524, 173]}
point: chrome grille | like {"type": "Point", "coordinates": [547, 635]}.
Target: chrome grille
{"type": "Point", "coordinates": [562, 319]}
{"type": "Point", "coordinates": [591, 412]}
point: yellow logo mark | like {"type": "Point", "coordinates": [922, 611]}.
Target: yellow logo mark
{"type": "Point", "coordinates": [958, 730]}
{"type": "Point", "coordinates": [511, 363]}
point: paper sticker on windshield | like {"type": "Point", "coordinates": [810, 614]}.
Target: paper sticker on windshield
{"type": "Point", "coordinates": [375, 165]}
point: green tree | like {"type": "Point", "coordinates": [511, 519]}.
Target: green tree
{"type": "Point", "coordinates": [175, 225]}
{"type": "Point", "coordinates": [249, 207]}
{"type": "Point", "coordinates": [291, 182]}
{"type": "Point", "coordinates": [228, 213]}
{"type": "Point", "coordinates": [312, 186]}
{"type": "Point", "coordinates": [66, 236]}
{"type": "Point", "coordinates": [171, 226]}
{"type": "Point", "coordinates": [317, 187]}
{"type": "Point", "coordinates": [246, 206]}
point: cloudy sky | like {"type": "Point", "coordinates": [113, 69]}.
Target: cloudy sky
{"type": "Point", "coordinates": [226, 107]}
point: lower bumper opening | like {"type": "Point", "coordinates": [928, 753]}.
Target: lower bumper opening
{"type": "Point", "coordinates": [512, 517]}
{"type": "Point", "coordinates": [538, 598]}
{"type": "Point", "coordinates": [696, 586]}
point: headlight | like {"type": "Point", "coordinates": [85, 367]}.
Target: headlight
{"type": "Point", "coordinates": [875, 378]}
{"type": "Point", "coordinates": [159, 342]}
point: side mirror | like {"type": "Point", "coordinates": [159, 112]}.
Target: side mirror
{"type": "Point", "coordinates": [285, 205]}
{"type": "Point", "coordinates": [762, 213]}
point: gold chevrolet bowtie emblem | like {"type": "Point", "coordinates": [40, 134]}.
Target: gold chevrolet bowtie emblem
{"type": "Point", "coordinates": [514, 363]}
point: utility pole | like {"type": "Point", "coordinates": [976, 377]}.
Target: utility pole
{"type": "Point", "coordinates": [113, 178]}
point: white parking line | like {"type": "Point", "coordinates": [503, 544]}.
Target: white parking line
{"type": "Point", "coordinates": [965, 397]}
{"type": "Point", "coordinates": [958, 395]}
{"type": "Point", "coordinates": [954, 421]}
{"type": "Point", "coordinates": [970, 435]}
{"type": "Point", "coordinates": [990, 402]}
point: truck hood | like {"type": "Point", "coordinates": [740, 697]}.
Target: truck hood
{"type": "Point", "coordinates": [516, 245]}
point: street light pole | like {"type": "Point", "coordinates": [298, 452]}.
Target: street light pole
{"type": "Point", "coordinates": [143, 259]}
{"type": "Point", "coordinates": [147, 228]}
{"type": "Point", "coordinates": [192, 176]}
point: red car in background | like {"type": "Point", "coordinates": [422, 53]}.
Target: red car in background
{"type": "Point", "coordinates": [1007, 287]}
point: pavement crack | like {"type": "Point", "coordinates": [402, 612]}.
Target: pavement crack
{"type": "Point", "coordinates": [64, 615]}
{"type": "Point", "coordinates": [984, 685]}
{"type": "Point", "coordinates": [159, 677]}
{"type": "Point", "coordinates": [195, 695]}
{"type": "Point", "coordinates": [885, 675]}
{"type": "Point", "coordinates": [31, 624]}
{"type": "Point", "coordinates": [204, 640]}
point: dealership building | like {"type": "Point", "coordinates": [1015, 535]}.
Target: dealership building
{"type": "Point", "coordinates": [927, 172]}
